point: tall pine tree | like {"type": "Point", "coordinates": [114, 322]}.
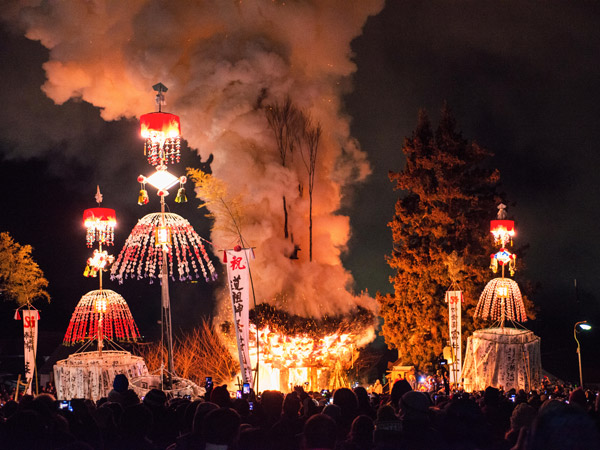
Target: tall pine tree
{"type": "Point", "coordinates": [440, 229]}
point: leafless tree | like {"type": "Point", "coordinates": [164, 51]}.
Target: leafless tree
{"type": "Point", "coordinates": [311, 135]}
{"type": "Point", "coordinates": [285, 121]}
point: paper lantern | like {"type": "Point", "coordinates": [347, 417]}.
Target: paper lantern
{"type": "Point", "coordinates": [503, 231]}
{"type": "Point", "coordinates": [142, 253]}
{"type": "Point", "coordinates": [501, 299]}
{"type": "Point", "coordinates": [100, 224]}
{"type": "Point", "coordinates": [103, 307]}
{"type": "Point", "coordinates": [162, 132]}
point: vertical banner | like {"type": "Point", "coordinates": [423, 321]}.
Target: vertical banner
{"type": "Point", "coordinates": [30, 335]}
{"type": "Point", "coordinates": [238, 276]}
{"type": "Point", "coordinates": [454, 300]}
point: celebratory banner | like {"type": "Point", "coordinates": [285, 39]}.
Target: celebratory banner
{"type": "Point", "coordinates": [454, 300]}
{"type": "Point", "coordinates": [238, 275]}
{"type": "Point", "coordinates": [30, 334]}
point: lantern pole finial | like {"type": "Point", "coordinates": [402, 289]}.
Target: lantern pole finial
{"type": "Point", "coordinates": [501, 211]}
{"type": "Point", "coordinates": [98, 196]}
{"type": "Point", "coordinates": [160, 98]}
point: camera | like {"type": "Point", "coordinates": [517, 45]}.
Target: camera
{"type": "Point", "coordinates": [238, 394]}
{"type": "Point", "coordinates": [251, 405]}
{"type": "Point", "coordinates": [324, 393]}
{"type": "Point", "coordinates": [246, 389]}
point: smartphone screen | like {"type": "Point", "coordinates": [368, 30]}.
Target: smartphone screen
{"type": "Point", "coordinates": [246, 388]}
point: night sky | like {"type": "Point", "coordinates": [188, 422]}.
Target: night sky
{"type": "Point", "coordinates": [521, 79]}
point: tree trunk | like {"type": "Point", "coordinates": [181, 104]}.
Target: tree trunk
{"type": "Point", "coordinates": [285, 219]}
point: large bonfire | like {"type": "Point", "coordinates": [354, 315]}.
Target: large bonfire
{"type": "Point", "coordinates": [233, 69]}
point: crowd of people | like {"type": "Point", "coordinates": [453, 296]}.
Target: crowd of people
{"type": "Point", "coordinates": [347, 419]}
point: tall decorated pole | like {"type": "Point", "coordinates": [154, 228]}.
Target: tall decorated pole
{"type": "Point", "coordinates": [159, 241]}
{"type": "Point", "coordinates": [100, 314]}
{"type": "Point", "coordinates": [501, 298]}
{"type": "Point", "coordinates": [506, 354]}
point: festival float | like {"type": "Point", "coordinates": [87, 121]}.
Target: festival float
{"type": "Point", "coordinates": [163, 245]}
{"type": "Point", "coordinates": [101, 316]}
{"type": "Point", "coordinates": [502, 356]}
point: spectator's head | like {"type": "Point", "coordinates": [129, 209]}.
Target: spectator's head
{"type": "Point", "coordinates": [491, 396]}
{"type": "Point", "coordinates": [155, 399]}
{"type": "Point", "coordinates": [414, 405]}
{"type": "Point", "coordinates": [135, 421]}
{"type": "Point", "coordinates": [400, 388]}
{"type": "Point", "coordinates": [291, 405]}
{"type": "Point", "coordinates": [220, 396]}
{"type": "Point", "coordinates": [201, 411]}
{"type": "Point", "coordinates": [120, 383]}
{"type": "Point", "coordinates": [578, 398]}
{"type": "Point", "coordinates": [522, 416]}
{"type": "Point", "coordinates": [346, 399]}
{"type": "Point", "coordinates": [560, 426]}
{"type": "Point", "coordinates": [362, 396]}
{"type": "Point", "coordinates": [320, 432]}
{"type": "Point", "coordinates": [272, 402]}
{"type": "Point", "coordinates": [221, 427]}
{"type": "Point", "coordinates": [361, 430]}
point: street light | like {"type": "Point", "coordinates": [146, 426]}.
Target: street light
{"type": "Point", "coordinates": [584, 325]}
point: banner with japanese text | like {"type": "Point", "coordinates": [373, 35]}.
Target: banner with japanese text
{"type": "Point", "coordinates": [238, 276]}
{"type": "Point", "coordinates": [30, 336]}
{"type": "Point", "coordinates": [454, 300]}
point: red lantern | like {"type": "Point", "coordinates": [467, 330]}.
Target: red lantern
{"type": "Point", "coordinates": [503, 231]}
{"type": "Point", "coordinates": [162, 132]}
{"type": "Point", "coordinates": [100, 224]}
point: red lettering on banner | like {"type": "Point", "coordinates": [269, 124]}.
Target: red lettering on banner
{"type": "Point", "coordinates": [28, 322]}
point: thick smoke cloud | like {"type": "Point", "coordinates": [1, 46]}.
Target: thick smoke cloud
{"type": "Point", "coordinates": [222, 62]}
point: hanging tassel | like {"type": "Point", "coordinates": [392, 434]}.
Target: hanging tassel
{"type": "Point", "coordinates": [86, 272]}
{"type": "Point", "coordinates": [181, 197]}
{"type": "Point", "coordinates": [17, 315]}
{"type": "Point", "coordinates": [225, 256]}
{"type": "Point", "coordinates": [143, 197]}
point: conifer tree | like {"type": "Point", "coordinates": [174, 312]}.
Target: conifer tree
{"type": "Point", "coordinates": [440, 229]}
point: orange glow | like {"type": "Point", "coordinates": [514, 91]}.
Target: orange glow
{"type": "Point", "coordinates": [160, 126]}
{"type": "Point", "coordinates": [302, 350]}
{"type": "Point", "coordinates": [503, 230]}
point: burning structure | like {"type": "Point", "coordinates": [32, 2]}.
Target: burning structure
{"type": "Point", "coordinates": [230, 66]}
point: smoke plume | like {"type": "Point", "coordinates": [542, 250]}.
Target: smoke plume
{"type": "Point", "coordinates": [223, 62]}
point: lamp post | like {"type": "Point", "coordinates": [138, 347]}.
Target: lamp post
{"type": "Point", "coordinates": [584, 325]}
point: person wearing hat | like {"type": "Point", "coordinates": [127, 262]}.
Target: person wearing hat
{"type": "Point", "coordinates": [121, 394]}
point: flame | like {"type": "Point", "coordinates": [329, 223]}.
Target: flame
{"type": "Point", "coordinates": [303, 350]}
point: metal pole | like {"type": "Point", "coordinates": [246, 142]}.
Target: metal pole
{"type": "Point", "coordinates": [166, 303]}
{"type": "Point", "coordinates": [578, 355]}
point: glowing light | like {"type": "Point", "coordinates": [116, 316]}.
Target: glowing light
{"type": "Point", "coordinates": [101, 305]}
{"type": "Point", "coordinates": [140, 257]}
{"type": "Point", "coordinates": [162, 132]}
{"type": "Point", "coordinates": [495, 307]}
{"type": "Point", "coordinates": [162, 180]}
{"type": "Point", "coordinates": [503, 231]}
{"type": "Point", "coordinates": [117, 321]}
{"type": "Point", "coordinates": [585, 326]}
{"type": "Point", "coordinates": [100, 224]}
